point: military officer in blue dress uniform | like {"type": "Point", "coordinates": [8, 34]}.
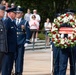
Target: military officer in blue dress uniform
{"type": "Point", "coordinates": [61, 57]}
{"type": "Point", "coordinates": [3, 36]}
{"type": "Point", "coordinates": [22, 33]}
{"type": "Point", "coordinates": [10, 25]}
{"type": "Point", "coordinates": [66, 54]}
{"type": "Point", "coordinates": [56, 51]}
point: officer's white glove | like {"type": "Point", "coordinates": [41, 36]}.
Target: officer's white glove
{"type": "Point", "coordinates": [51, 47]}
{"type": "Point", "coordinates": [26, 44]}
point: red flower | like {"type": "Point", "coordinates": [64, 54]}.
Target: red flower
{"type": "Point", "coordinates": [61, 22]}
{"type": "Point", "coordinates": [54, 32]}
{"type": "Point", "coordinates": [69, 38]}
{"type": "Point", "coordinates": [71, 20]}
{"type": "Point", "coordinates": [68, 44]}
{"type": "Point", "coordinates": [58, 41]}
{"type": "Point", "coordinates": [56, 26]}
{"type": "Point", "coordinates": [57, 36]}
{"type": "Point", "coordinates": [67, 15]}
{"type": "Point", "coordinates": [73, 39]}
{"type": "Point", "coordinates": [62, 16]}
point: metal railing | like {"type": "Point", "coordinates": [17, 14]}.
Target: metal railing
{"type": "Point", "coordinates": [34, 38]}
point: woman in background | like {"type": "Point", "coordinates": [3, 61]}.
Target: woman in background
{"type": "Point", "coordinates": [47, 26]}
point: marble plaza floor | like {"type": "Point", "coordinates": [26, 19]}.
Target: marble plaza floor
{"type": "Point", "coordinates": [38, 62]}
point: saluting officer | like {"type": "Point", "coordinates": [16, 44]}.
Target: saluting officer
{"type": "Point", "coordinates": [22, 32]}
{"type": "Point", "coordinates": [3, 36]}
{"type": "Point", "coordinates": [11, 42]}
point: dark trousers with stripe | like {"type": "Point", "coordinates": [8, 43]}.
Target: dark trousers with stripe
{"type": "Point", "coordinates": [7, 64]}
{"type": "Point", "coordinates": [61, 59]}
{"type": "Point", "coordinates": [19, 58]}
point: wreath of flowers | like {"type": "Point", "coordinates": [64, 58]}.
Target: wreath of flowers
{"type": "Point", "coordinates": [57, 38]}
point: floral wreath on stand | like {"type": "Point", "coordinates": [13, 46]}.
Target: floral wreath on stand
{"type": "Point", "coordinates": [57, 38]}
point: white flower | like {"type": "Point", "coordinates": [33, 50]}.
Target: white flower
{"type": "Point", "coordinates": [70, 17]}
{"type": "Point", "coordinates": [59, 35]}
{"type": "Point", "coordinates": [56, 39]}
{"type": "Point", "coordinates": [70, 35]}
{"type": "Point", "coordinates": [65, 19]}
{"type": "Point", "coordinates": [62, 35]}
{"type": "Point", "coordinates": [75, 20]}
{"type": "Point", "coordinates": [75, 29]}
{"type": "Point", "coordinates": [62, 41]}
{"type": "Point", "coordinates": [54, 36]}
{"type": "Point", "coordinates": [54, 29]}
{"type": "Point", "coordinates": [55, 20]}
{"type": "Point", "coordinates": [58, 18]}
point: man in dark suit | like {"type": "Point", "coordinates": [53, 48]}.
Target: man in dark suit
{"type": "Point", "coordinates": [56, 53]}
{"type": "Point", "coordinates": [61, 57]}
{"type": "Point", "coordinates": [22, 32]}
{"type": "Point", "coordinates": [11, 41]}
{"type": "Point", "coordinates": [3, 36]}
{"type": "Point", "coordinates": [66, 54]}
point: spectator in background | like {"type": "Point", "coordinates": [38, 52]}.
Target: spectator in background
{"type": "Point", "coordinates": [38, 19]}
{"type": "Point", "coordinates": [6, 7]}
{"type": "Point", "coordinates": [3, 2]}
{"type": "Point", "coordinates": [27, 18]}
{"type": "Point", "coordinates": [27, 15]}
{"type": "Point", "coordinates": [34, 26]}
{"type": "Point", "coordinates": [47, 26]}
{"type": "Point", "coordinates": [12, 5]}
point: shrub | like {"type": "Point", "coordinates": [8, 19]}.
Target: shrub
{"type": "Point", "coordinates": [41, 36]}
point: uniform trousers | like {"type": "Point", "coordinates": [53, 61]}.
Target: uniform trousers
{"type": "Point", "coordinates": [1, 58]}
{"type": "Point", "coordinates": [7, 64]}
{"type": "Point", "coordinates": [75, 58]}
{"type": "Point", "coordinates": [19, 58]}
{"type": "Point", "coordinates": [61, 59]}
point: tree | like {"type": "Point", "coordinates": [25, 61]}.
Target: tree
{"type": "Point", "coordinates": [46, 8]}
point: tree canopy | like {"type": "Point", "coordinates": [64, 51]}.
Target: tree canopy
{"type": "Point", "coordinates": [46, 8]}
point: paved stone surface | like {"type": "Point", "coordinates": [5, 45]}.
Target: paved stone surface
{"type": "Point", "coordinates": [38, 62]}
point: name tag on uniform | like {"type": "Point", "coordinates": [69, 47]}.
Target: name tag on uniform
{"type": "Point", "coordinates": [12, 27]}
{"type": "Point", "coordinates": [1, 29]}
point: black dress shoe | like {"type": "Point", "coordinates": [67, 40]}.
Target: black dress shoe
{"type": "Point", "coordinates": [18, 73]}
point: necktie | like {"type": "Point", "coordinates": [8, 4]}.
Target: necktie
{"type": "Point", "coordinates": [17, 21]}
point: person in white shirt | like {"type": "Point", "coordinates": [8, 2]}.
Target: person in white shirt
{"type": "Point", "coordinates": [38, 18]}
{"type": "Point", "coordinates": [12, 5]}
{"type": "Point", "coordinates": [34, 26]}
{"type": "Point", "coordinates": [47, 26]}
{"type": "Point", "coordinates": [27, 15]}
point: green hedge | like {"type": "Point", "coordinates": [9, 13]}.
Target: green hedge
{"type": "Point", "coordinates": [41, 36]}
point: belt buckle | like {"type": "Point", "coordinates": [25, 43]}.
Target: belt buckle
{"type": "Point", "coordinates": [17, 32]}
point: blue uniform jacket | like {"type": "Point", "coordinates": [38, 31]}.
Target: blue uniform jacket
{"type": "Point", "coordinates": [22, 34]}
{"type": "Point", "coordinates": [11, 34]}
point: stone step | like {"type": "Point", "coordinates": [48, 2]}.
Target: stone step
{"type": "Point", "coordinates": [40, 44]}
{"type": "Point", "coordinates": [36, 44]}
{"type": "Point", "coordinates": [36, 47]}
{"type": "Point", "coordinates": [40, 41]}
